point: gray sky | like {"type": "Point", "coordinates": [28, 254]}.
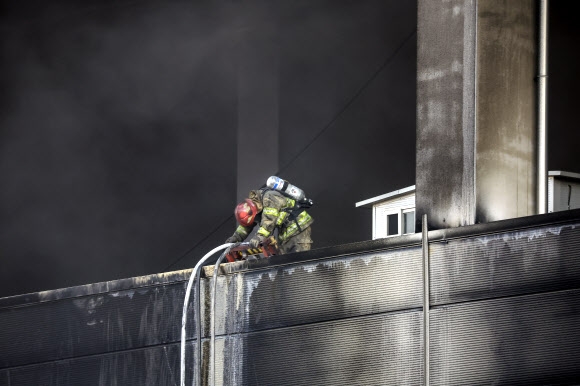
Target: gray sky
{"type": "Point", "coordinates": [118, 126]}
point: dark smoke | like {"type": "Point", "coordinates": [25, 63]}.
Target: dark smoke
{"type": "Point", "coordinates": [118, 126]}
{"type": "Point", "coordinates": [111, 139]}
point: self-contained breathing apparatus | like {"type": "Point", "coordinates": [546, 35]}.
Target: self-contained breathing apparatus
{"type": "Point", "coordinates": [301, 203]}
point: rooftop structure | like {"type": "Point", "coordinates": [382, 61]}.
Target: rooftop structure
{"type": "Point", "coordinates": [393, 213]}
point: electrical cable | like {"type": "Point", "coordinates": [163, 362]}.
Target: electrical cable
{"type": "Point", "coordinates": [350, 101]}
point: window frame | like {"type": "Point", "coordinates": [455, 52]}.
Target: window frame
{"type": "Point", "coordinates": [387, 214]}
{"type": "Point", "coordinates": [399, 212]}
{"type": "Point", "coordinates": [408, 210]}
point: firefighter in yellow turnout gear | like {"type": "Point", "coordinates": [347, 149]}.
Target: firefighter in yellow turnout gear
{"type": "Point", "coordinates": [271, 210]}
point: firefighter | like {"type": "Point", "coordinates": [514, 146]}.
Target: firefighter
{"type": "Point", "coordinates": [272, 210]}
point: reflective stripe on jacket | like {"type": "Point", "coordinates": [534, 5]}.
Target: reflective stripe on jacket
{"type": "Point", "coordinates": [302, 222]}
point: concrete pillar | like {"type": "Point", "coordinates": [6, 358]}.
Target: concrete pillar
{"type": "Point", "coordinates": [476, 128]}
{"type": "Point", "coordinates": [258, 86]}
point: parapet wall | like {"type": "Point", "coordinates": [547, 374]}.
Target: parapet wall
{"type": "Point", "coordinates": [504, 309]}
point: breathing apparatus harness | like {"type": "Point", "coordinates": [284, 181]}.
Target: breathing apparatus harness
{"type": "Point", "coordinates": [293, 211]}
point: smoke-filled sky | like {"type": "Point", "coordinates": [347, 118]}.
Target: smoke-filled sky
{"type": "Point", "coordinates": [118, 124]}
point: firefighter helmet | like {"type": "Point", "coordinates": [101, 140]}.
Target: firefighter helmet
{"type": "Point", "coordinates": [246, 212]}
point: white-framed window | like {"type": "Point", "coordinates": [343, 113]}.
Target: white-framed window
{"type": "Point", "coordinates": [399, 222]}
{"type": "Point", "coordinates": [408, 219]}
{"type": "Point", "coordinates": [394, 217]}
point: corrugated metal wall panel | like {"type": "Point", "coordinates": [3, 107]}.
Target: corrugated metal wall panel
{"type": "Point", "coordinates": [37, 375]}
{"type": "Point", "coordinates": [318, 291]}
{"type": "Point", "coordinates": [150, 366]}
{"type": "Point", "coordinates": [373, 350]}
{"type": "Point", "coordinates": [505, 264]}
{"type": "Point", "coordinates": [341, 315]}
{"type": "Point", "coordinates": [92, 324]}
{"type": "Point", "coordinates": [523, 340]}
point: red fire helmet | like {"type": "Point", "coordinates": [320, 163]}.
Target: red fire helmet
{"type": "Point", "coordinates": [246, 212]}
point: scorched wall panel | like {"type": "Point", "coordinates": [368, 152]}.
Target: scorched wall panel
{"type": "Point", "coordinates": [93, 324]}
{"type": "Point", "coordinates": [505, 264]}
{"type": "Point", "coordinates": [522, 340]}
{"type": "Point", "coordinates": [311, 292]}
{"type": "Point", "coordinates": [371, 350]}
{"type": "Point", "coordinates": [157, 366]}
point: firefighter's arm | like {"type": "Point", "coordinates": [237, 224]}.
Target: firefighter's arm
{"type": "Point", "coordinates": [239, 235]}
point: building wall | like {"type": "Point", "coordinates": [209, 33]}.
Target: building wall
{"type": "Point", "coordinates": [503, 305]}
{"type": "Point", "coordinates": [475, 111]}
{"type": "Point", "coordinates": [505, 149]}
{"type": "Point", "coordinates": [123, 332]}
{"type": "Point", "coordinates": [445, 112]}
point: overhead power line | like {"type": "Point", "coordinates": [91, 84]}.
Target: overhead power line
{"type": "Point", "coordinates": [199, 242]}
{"type": "Point", "coordinates": [350, 101]}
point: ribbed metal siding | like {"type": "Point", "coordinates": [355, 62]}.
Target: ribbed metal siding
{"type": "Point", "coordinates": [318, 291]}
{"type": "Point", "coordinates": [149, 366]}
{"type": "Point", "coordinates": [4, 378]}
{"type": "Point", "coordinates": [354, 319]}
{"type": "Point", "coordinates": [523, 340]}
{"type": "Point", "coordinates": [463, 349]}
{"type": "Point", "coordinates": [505, 264]}
{"type": "Point", "coordinates": [373, 350]}
{"type": "Point", "coordinates": [91, 325]}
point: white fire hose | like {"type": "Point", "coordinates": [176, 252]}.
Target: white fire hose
{"type": "Point", "coordinates": [195, 274]}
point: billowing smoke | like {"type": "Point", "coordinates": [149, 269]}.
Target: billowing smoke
{"type": "Point", "coordinates": [118, 127]}
{"type": "Point", "coordinates": [115, 136]}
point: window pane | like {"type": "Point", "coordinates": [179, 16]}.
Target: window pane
{"type": "Point", "coordinates": [392, 224]}
{"type": "Point", "coordinates": [409, 222]}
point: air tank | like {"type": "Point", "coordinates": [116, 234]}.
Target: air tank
{"type": "Point", "coordinates": [285, 187]}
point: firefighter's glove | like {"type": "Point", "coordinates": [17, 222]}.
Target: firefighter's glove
{"type": "Point", "coordinates": [256, 241]}
{"type": "Point", "coordinates": [232, 239]}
